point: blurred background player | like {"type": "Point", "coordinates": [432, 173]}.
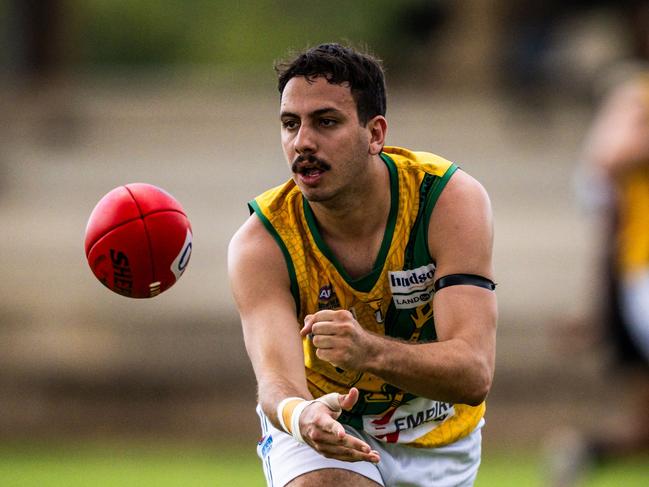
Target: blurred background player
{"type": "Point", "coordinates": [615, 183]}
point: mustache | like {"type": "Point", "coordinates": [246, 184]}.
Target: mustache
{"type": "Point", "coordinates": [303, 162]}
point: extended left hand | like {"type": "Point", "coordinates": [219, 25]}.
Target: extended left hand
{"type": "Point", "coordinates": [320, 430]}
{"type": "Point", "coordinates": [339, 338]}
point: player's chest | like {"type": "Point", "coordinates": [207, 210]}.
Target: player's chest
{"type": "Point", "coordinates": [356, 259]}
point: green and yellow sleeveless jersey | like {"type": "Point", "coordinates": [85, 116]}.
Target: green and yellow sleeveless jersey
{"type": "Point", "coordinates": [394, 299]}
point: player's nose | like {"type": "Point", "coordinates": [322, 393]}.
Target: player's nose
{"type": "Point", "coordinates": [305, 140]}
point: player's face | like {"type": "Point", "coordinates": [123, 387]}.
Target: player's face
{"type": "Point", "coordinates": [324, 143]}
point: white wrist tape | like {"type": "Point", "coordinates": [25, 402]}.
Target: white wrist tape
{"type": "Point", "coordinates": [295, 420]}
{"type": "Point", "coordinates": [329, 400]}
{"type": "Point", "coordinates": [280, 411]}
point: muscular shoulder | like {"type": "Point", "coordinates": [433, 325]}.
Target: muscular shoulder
{"type": "Point", "coordinates": [462, 194]}
{"type": "Point", "coordinates": [254, 258]}
{"type": "Point", "coordinates": [248, 236]}
{"type": "Point", "coordinates": [460, 233]}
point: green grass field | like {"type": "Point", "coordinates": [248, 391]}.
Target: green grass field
{"type": "Point", "coordinates": [132, 466]}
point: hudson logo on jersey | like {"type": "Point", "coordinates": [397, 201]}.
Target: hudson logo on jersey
{"type": "Point", "coordinates": [412, 287]}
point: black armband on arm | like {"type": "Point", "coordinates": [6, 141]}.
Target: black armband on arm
{"type": "Point", "coordinates": [464, 279]}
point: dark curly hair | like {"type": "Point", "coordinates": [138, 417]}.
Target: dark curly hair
{"type": "Point", "coordinates": [340, 64]}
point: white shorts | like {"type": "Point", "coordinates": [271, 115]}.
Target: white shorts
{"type": "Point", "coordinates": [454, 465]}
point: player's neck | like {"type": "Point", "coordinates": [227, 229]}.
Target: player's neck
{"type": "Point", "coordinates": [354, 232]}
{"type": "Point", "coordinates": [361, 215]}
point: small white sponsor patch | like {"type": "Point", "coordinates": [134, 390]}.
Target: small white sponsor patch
{"type": "Point", "coordinates": [412, 288]}
{"type": "Point", "coordinates": [182, 259]}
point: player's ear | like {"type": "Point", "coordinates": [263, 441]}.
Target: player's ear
{"type": "Point", "coordinates": [377, 127]}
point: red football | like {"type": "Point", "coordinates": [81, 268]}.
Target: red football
{"type": "Point", "coordinates": [138, 240]}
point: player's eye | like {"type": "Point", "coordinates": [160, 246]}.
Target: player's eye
{"type": "Point", "coordinates": [290, 124]}
{"type": "Point", "coordinates": [328, 122]}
